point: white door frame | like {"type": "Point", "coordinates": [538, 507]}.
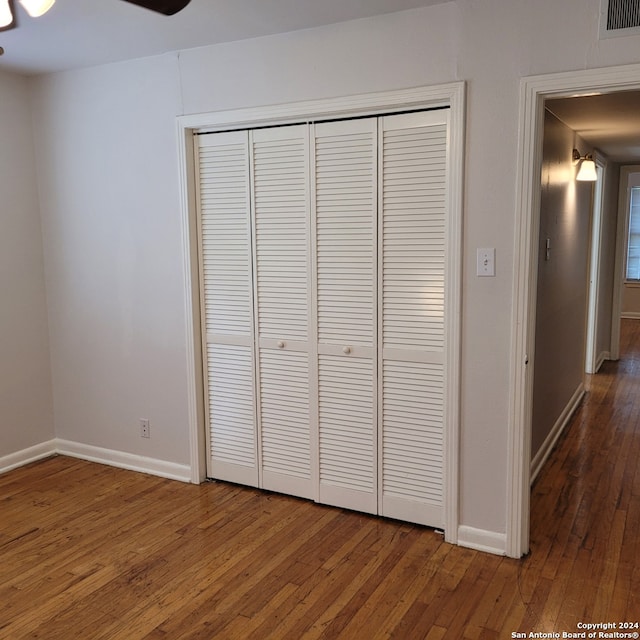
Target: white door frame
{"type": "Point", "coordinates": [595, 253]}
{"type": "Point", "coordinates": [451, 95]}
{"type": "Point", "coordinates": [533, 92]}
{"type": "Point", "coordinates": [620, 275]}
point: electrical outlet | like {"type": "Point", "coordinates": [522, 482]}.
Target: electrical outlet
{"type": "Point", "coordinates": [145, 428]}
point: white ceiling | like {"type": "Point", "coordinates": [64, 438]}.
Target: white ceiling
{"type": "Point", "coordinates": [608, 122]}
{"type": "Point", "coordinates": [80, 33]}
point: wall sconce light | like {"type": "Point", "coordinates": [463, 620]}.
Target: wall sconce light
{"type": "Point", "coordinates": [587, 171]}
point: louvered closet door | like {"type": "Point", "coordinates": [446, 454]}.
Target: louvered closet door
{"type": "Point", "coordinates": [412, 315]}
{"type": "Point", "coordinates": [226, 281]}
{"type": "Point", "coordinates": [280, 179]}
{"type": "Point", "coordinates": [345, 257]}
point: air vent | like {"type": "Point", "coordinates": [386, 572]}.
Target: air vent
{"type": "Point", "coordinates": [619, 18]}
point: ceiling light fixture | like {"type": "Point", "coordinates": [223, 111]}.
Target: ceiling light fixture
{"type": "Point", "coordinates": [6, 17]}
{"type": "Point", "coordinates": [587, 171]}
{"type": "Point", "coordinates": [37, 8]}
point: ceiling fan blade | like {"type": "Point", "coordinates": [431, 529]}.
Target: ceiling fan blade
{"type": "Point", "coordinates": [167, 7]}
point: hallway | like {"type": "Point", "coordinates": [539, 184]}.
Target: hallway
{"type": "Point", "coordinates": [585, 506]}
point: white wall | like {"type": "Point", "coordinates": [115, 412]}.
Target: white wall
{"type": "Point", "coordinates": [401, 50]}
{"type": "Point", "coordinates": [108, 178]}
{"type": "Point", "coordinates": [108, 166]}
{"type": "Point", "coordinates": [26, 415]}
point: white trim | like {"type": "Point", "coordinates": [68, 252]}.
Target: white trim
{"type": "Point", "coordinates": [454, 306]}
{"type": "Point", "coordinates": [450, 95]}
{"type": "Point", "coordinates": [533, 91]}
{"type": "Point", "coordinates": [630, 315]}
{"type": "Point", "coordinates": [620, 273]}
{"type": "Point", "coordinates": [482, 540]}
{"type": "Point", "coordinates": [119, 459]}
{"type": "Point", "coordinates": [556, 431]}
{"type": "Point", "coordinates": [604, 355]}
{"type": "Point", "coordinates": [123, 460]}
{"type": "Point", "coordinates": [27, 456]}
{"type": "Point", "coordinates": [595, 257]}
{"type": "Point", "coordinates": [359, 105]}
{"type": "Point", "coordinates": [523, 320]}
{"type": "Point", "coordinates": [195, 390]}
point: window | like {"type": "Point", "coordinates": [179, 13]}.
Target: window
{"type": "Point", "coordinates": [633, 239]}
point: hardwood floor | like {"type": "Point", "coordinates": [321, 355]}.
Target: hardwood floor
{"type": "Point", "coordinates": [92, 552]}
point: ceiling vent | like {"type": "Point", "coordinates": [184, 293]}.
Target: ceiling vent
{"type": "Point", "coordinates": [619, 18]}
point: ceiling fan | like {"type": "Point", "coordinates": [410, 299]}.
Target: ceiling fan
{"type": "Point", "coordinates": [36, 8]}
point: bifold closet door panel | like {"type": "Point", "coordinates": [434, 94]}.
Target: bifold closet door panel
{"type": "Point", "coordinates": [281, 211]}
{"type": "Point", "coordinates": [413, 241]}
{"type": "Point", "coordinates": [345, 199]}
{"type": "Point", "coordinates": [323, 266]}
{"type": "Point", "coordinates": [224, 227]}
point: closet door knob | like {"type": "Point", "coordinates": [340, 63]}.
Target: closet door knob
{"type": "Point", "coordinates": [346, 350]}
{"type": "Point", "coordinates": [280, 344]}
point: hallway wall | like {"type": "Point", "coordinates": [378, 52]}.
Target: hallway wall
{"type": "Point", "coordinates": [561, 309]}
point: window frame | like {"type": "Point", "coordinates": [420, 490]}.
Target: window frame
{"type": "Point", "coordinates": [633, 188]}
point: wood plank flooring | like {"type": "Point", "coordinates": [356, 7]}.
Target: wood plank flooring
{"type": "Point", "coordinates": [92, 552]}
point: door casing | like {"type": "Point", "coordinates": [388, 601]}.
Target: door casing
{"type": "Point", "coordinates": [534, 90]}
{"type": "Point", "coordinates": [450, 95]}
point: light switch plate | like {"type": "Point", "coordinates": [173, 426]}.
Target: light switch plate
{"type": "Point", "coordinates": [486, 262]}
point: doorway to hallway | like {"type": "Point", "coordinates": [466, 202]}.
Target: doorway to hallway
{"type": "Point", "coordinates": [534, 92]}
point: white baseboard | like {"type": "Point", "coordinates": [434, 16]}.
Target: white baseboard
{"type": "Point", "coordinates": [482, 540]}
{"type": "Point", "coordinates": [605, 355]}
{"type": "Point", "coordinates": [124, 460]}
{"type": "Point", "coordinates": [547, 446]}
{"type": "Point", "coordinates": [110, 457]}
{"type": "Point", "coordinates": [26, 456]}
{"type": "Point", "coordinates": [631, 315]}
